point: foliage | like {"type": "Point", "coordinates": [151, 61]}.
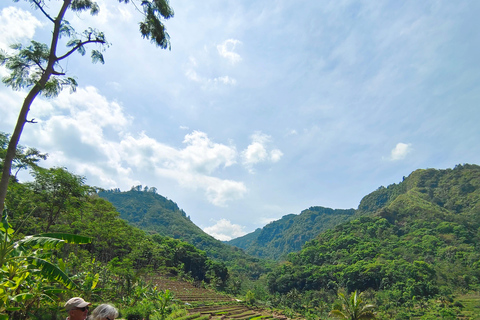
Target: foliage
{"type": "Point", "coordinates": [153, 304]}
{"type": "Point", "coordinates": [353, 308]}
{"type": "Point", "coordinates": [112, 266]}
{"type": "Point", "coordinates": [250, 298]}
{"type": "Point", "coordinates": [420, 241]}
{"type": "Point", "coordinates": [38, 66]}
{"type": "Point", "coordinates": [289, 234]}
{"type": "Point", "coordinates": [28, 272]}
{"type": "Point", "coordinates": [24, 157]}
{"type": "Point", "coordinates": [409, 257]}
{"type": "Point", "coordinates": [153, 213]}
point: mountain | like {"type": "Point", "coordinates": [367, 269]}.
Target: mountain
{"type": "Point", "coordinates": [278, 238]}
{"type": "Point", "coordinates": [244, 242]}
{"type": "Point", "coordinates": [413, 240]}
{"type": "Point", "coordinates": [151, 212]}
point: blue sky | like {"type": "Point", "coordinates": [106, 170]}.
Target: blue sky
{"type": "Point", "coordinates": [261, 108]}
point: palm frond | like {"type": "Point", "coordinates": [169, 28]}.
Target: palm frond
{"type": "Point", "coordinates": [338, 314]}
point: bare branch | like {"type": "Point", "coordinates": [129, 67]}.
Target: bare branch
{"type": "Point", "coordinates": [78, 46]}
{"type": "Point", "coordinates": [41, 9]}
{"type": "Point", "coordinates": [40, 66]}
{"type": "Point", "coordinates": [136, 8]}
{"type": "Point", "coordinates": [56, 73]}
{"type": "Point", "coordinates": [31, 121]}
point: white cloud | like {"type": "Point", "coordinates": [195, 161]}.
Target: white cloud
{"type": "Point", "coordinates": [254, 153]}
{"type": "Point", "coordinates": [226, 80]}
{"type": "Point", "coordinates": [292, 132]}
{"type": "Point", "coordinates": [226, 50]}
{"type": "Point", "coordinates": [209, 82]}
{"type": "Point", "coordinates": [222, 191]}
{"type": "Point", "coordinates": [192, 167]}
{"type": "Point", "coordinates": [257, 151]}
{"type": "Point", "coordinates": [275, 155]}
{"type": "Point", "coordinates": [400, 151]}
{"type": "Point", "coordinates": [224, 230]}
{"type": "Point", "coordinates": [204, 156]}
{"type": "Point", "coordinates": [72, 129]}
{"type": "Point", "coordinates": [16, 25]}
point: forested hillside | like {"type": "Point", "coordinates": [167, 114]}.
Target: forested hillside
{"type": "Point", "coordinates": [289, 234]}
{"type": "Point", "coordinates": [416, 240]}
{"type": "Point", "coordinates": [144, 208]}
{"type": "Point", "coordinates": [107, 268]}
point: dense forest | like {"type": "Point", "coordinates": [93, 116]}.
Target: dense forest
{"type": "Point", "coordinates": [289, 234]}
{"type": "Point", "coordinates": [149, 211]}
{"type": "Point", "coordinates": [59, 209]}
{"type": "Point", "coordinates": [411, 242]}
{"type": "Point", "coordinates": [411, 248]}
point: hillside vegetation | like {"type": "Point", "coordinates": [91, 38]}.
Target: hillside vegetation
{"type": "Point", "coordinates": [415, 240]}
{"type": "Point", "coordinates": [289, 234]}
{"type": "Point", "coordinates": [111, 267]}
{"type": "Point", "coordinates": [155, 214]}
{"type": "Point", "coordinates": [412, 248]}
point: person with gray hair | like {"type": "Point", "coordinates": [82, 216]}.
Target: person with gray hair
{"type": "Point", "coordinates": [104, 312]}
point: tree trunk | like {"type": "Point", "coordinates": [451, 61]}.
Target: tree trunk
{"type": "Point", "coordinates": [27, 103]}
{"type": "Point", "coordinates": [12, 145]}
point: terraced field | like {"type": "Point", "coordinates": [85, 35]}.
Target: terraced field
{"type": "Point", "coordinates": [203, 304]}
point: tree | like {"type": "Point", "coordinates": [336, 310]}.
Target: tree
{"type": "Point", "coordinates": [38, 66]}
{"type": "Point", "coordinates": [353, 308]}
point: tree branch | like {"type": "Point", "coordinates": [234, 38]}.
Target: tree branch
{"type": "Point", "coordinates": [40, 66]}
{"type": "Point", "coordinates": [41, 9]}
{"type": "Point", "coordinates": [78, 46]}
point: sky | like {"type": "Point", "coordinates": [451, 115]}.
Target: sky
{"type": "Point", "coordinates": [261, 108]}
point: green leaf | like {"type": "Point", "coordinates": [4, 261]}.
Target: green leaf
{"type": "Point", "coordinates": [52, 272]}
{"type": "Point", "coordinates": [22, 297]}
{"type": "Point", "coordinates": [95, 281]}
{"type": "Point", "coordinates": [39, 242]}
{"type": "Point", "coordinates": [97, 56]}
{"type": "Point", "coordinates": [67, 237]}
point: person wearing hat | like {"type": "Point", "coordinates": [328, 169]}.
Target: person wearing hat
{"type": "Point", "coordinates": [77, 308]}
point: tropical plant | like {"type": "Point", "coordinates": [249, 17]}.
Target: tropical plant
{"type": "Point", "coordinates": [163, 299]}
{"type": "Point", "coordinates": [27, 271]}
{"type": "Point", "coordinates": [353, 308]}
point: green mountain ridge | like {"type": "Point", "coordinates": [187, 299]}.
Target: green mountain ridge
{"type": "Point", "coordinates": [156, 214]}
{"type": "Point", "coordinates": [291, 232]}
{"type": "Point", "coordinates": [409, 241]}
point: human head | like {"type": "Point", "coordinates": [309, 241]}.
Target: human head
{"type": "Point", "coordinates": [104, 312]}
{"type": "Point", "coordinates": [77, 308]}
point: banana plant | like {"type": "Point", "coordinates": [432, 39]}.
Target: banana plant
{"type": "Point", "coordinates": [26, 269]}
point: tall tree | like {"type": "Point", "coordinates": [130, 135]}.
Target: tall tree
{"type": "Point", "coordinates": [38, 66]}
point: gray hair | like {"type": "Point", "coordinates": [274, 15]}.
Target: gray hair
{"type": "Point", "coordinates": [104, 311]}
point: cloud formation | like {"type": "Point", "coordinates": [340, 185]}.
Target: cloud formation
{"type": "Point", "coordinates": [16, 25]}
{"type": "Point", "coordinates": [257, 151]}
{"type": "Point", "coordinates": [400, 151]}
{"type": "Point", "coordinates": [73, 129]}
{"type": "Point", "coordinates": [227, 50]}
{"type": "Point", "coordinates": [224, 230]}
